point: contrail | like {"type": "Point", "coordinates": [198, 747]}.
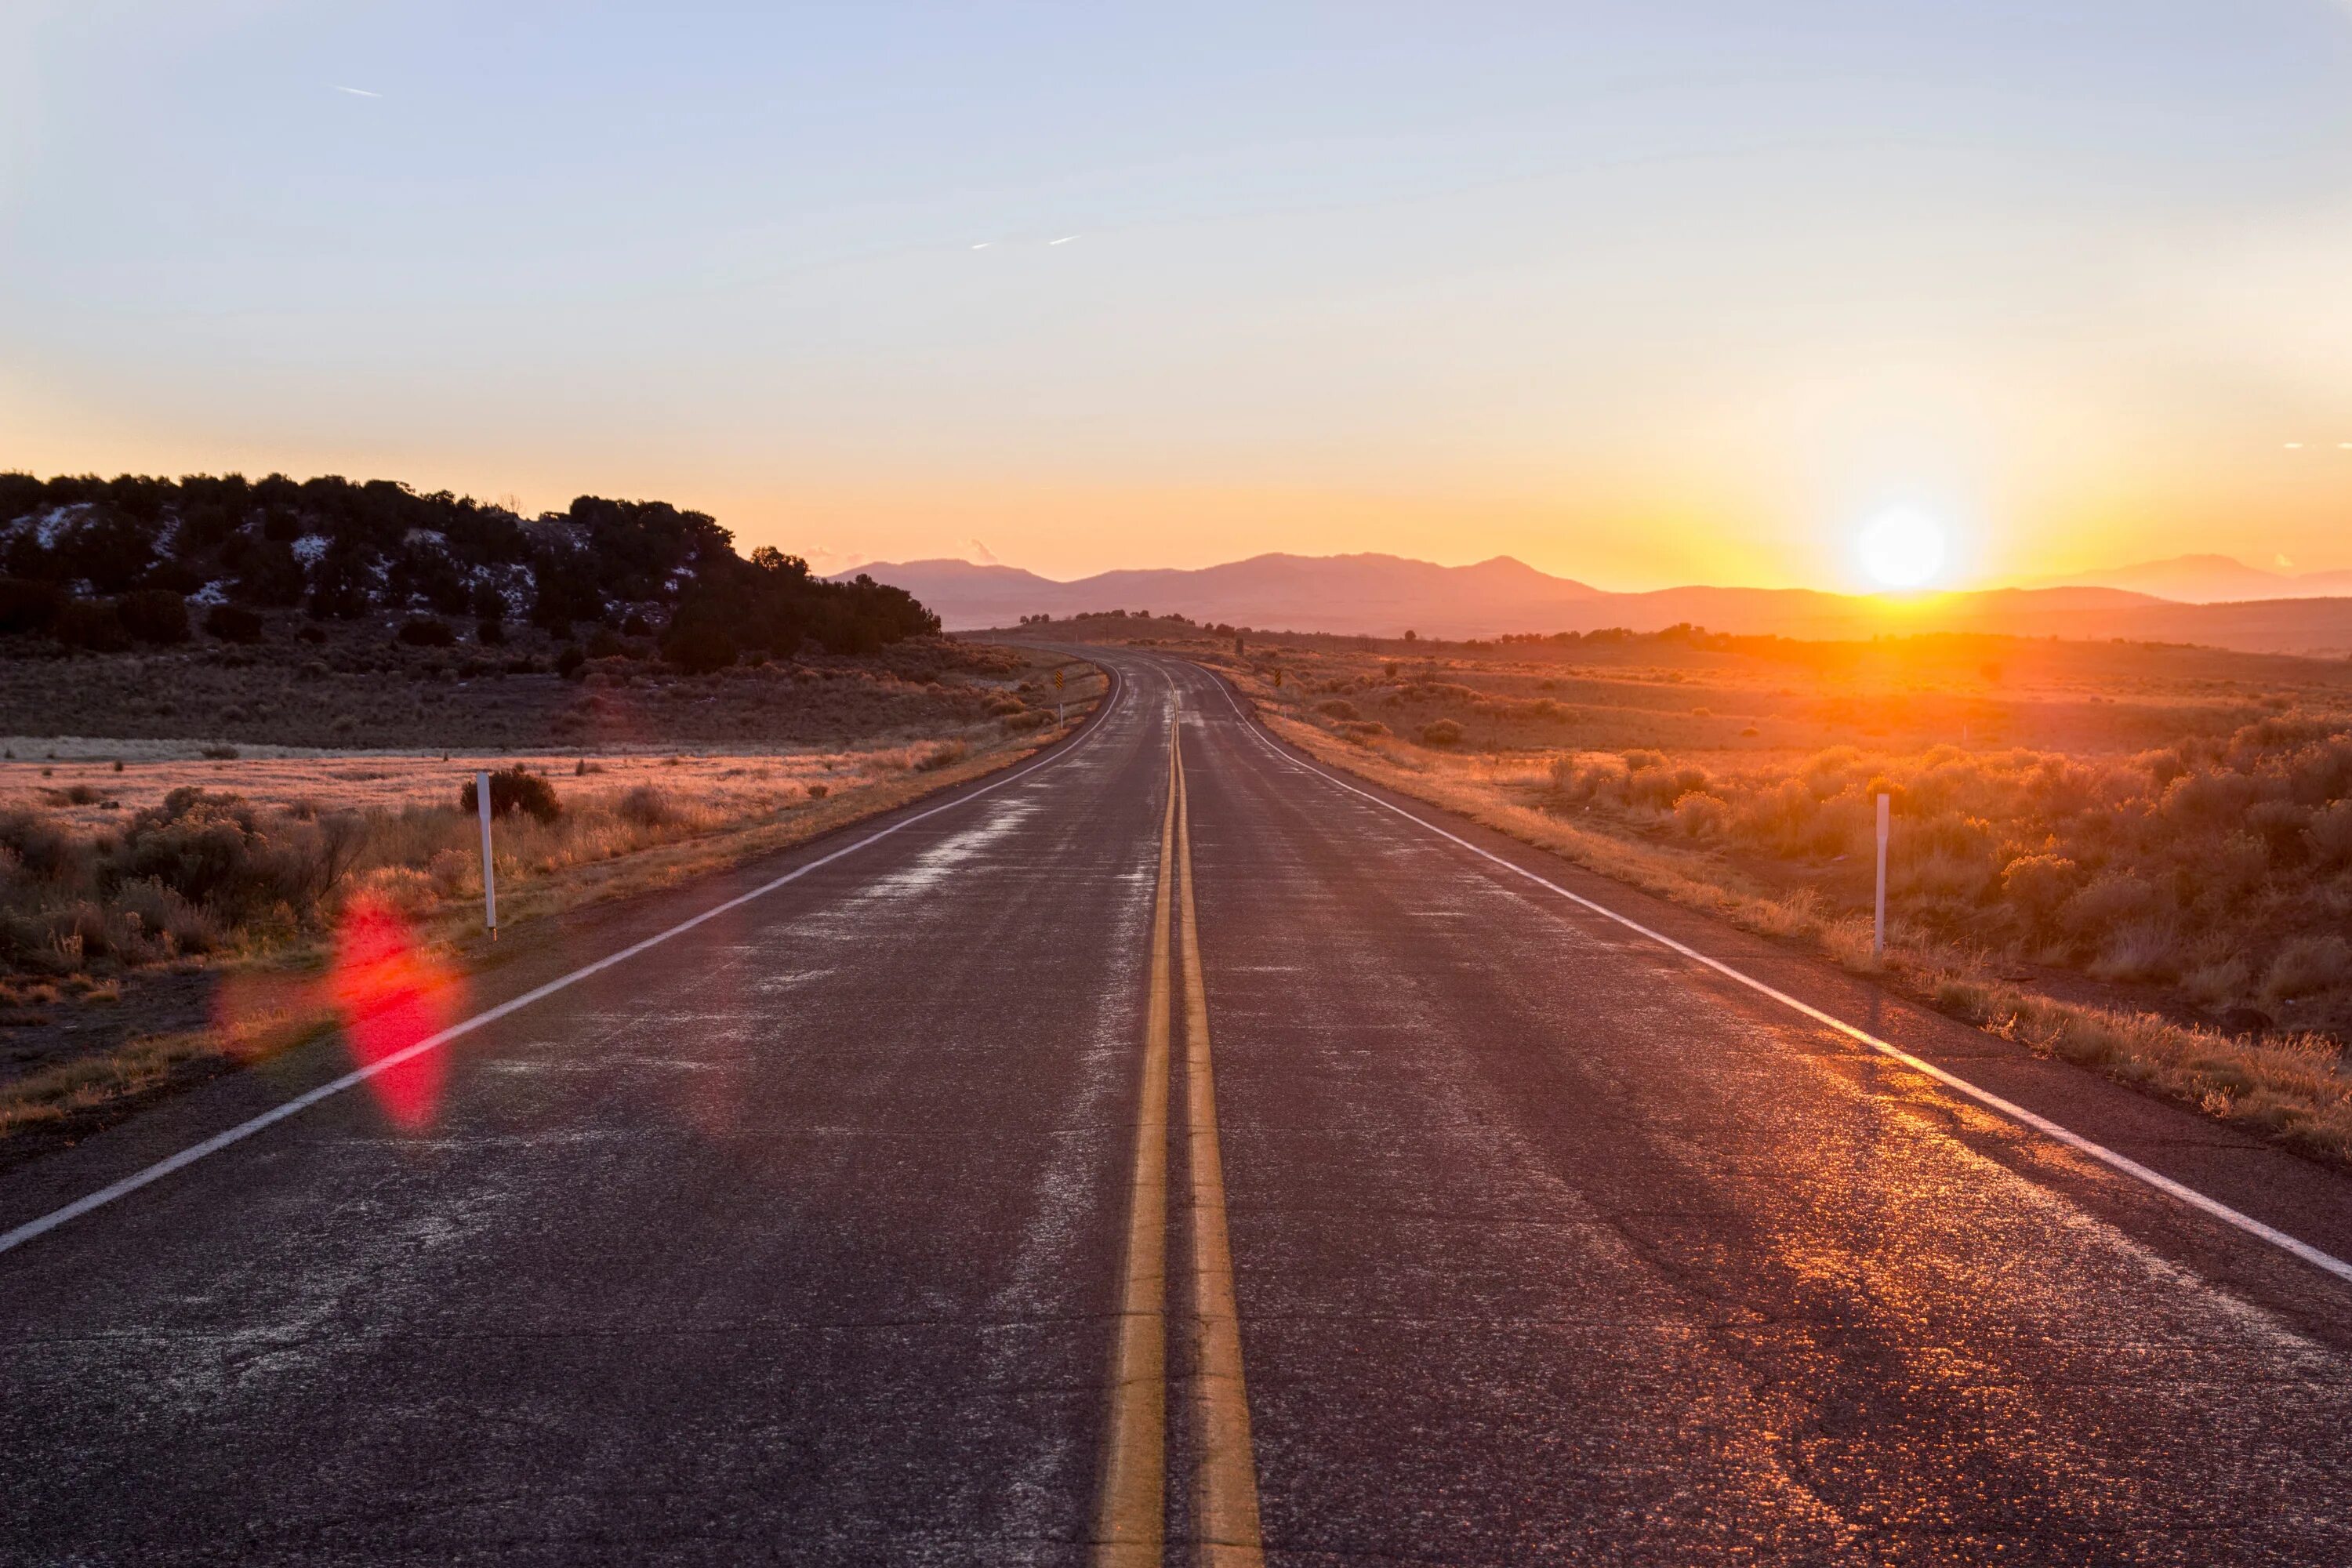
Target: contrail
{"type": "Point", "coordinates": [1063, 240]}
{"type": "Point", "coordinates": [359, 93]}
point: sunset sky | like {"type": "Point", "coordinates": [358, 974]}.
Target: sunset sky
{"type": "Point", "coordinates": [1640, 293]}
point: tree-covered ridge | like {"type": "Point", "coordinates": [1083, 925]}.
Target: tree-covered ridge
{"type": "Point", "coordinates": [134, 548]}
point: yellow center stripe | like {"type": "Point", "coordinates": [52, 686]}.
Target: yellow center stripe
{"type": "Point", "coordinates": [1131, 1504]}
{"type": "Point", "coordinates": [1131, 1496]}
{"type": "Point", "coordinates": [1224, 1493]}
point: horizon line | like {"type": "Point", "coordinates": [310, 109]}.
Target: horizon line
{"type": "Point", "coordinates": [2053, 582]}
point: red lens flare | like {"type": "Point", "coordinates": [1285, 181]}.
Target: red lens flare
{"type": "Point", "coordinates": [392, 994]}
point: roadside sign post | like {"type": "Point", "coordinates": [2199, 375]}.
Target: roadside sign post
{"type": "Point", "coordinates": [1060, 718]}
{"type": "Point", "coordinates": [489, 875]}
{"type": "Point", "coordinates": [1878, 918]}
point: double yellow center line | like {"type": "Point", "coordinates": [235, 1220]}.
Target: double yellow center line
{"type": "Point", "coordinates": [1131, 1504]}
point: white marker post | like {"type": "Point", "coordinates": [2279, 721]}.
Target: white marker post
{"type": "Point", "coordinates": [1878, 921]}
{"type": "Point", "coordinates": [489, 875]}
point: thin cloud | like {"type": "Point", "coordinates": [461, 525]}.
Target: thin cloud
{"type": "Point", "coordinates": [358, 91]}
{"type": "Point", "coordinates": [982, 555]}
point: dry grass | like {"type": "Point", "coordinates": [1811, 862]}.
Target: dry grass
{"type": "Point", "coordinates": [2110, 900]}
{"type": "Point", "coordinates": [361, 690]}
{"type": "Point", "coordinates": [144, 1063]}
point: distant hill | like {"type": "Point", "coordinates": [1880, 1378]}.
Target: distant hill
{"type": "Point", "coordinates": [100, 564]}
{"type": "Point", "coordinates": [2213, 579]}
{"type": "Point", "coordinates": [1385, 596]}
{"type": "Point", "coordinates": [1335, 592]}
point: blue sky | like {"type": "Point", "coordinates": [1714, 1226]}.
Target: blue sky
{"type": "Point", "coordinates": [1639, 293]}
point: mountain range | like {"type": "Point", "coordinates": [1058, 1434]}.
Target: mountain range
{"type": "Point", "coordinates": [1385, 596]}
{"type": "Point", "coordinates": [2211, 580]}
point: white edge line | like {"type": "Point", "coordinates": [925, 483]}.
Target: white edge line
{"type": "Point", "coordinates": [2327, 1262]}
{"type": "Point", "coordinates": [27, 1231]}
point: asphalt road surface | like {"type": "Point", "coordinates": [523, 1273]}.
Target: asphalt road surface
{"type": "Point", "coordinates": [1123, 1161]}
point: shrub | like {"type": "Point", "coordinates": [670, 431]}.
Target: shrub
{"type": "Point", "coordinates": [2207, 799]}
{"type": "Point", "coordinates": [2111, 898]}
{"type": "Point", "coordinates": [426, 631]}
{"type": "Point", "coordinates": [2307, 965]}
{"type": "Point", "coordinates": [938, 755]}
{"type": "Point", "coordinates": [1337, 708]}
{"type": "Point", "coordinates": [490, 631]}
{"type": "Point", "coordinates": [2149, 950]}
{"type": "Point", "coordinates": [2229, 871]}
{"type": "Point", "coordinates": [698, 647]}
{"type": "Point", "coordinates": [1700, 816]}
{"type": "Point", "coordinates": [512, 790]}
{"type": "Point", "coordinates": [2037, 885]}
{"type": "Point", "coordinates": [1568, 774]}
{"type": "Point", "coordinates": [1441, 732]}
{"type": "Point", "coordinates": [2214, 984]}
{"type": "Point", "coordinates": [233, 624]}
{"type": "Point", "coordinates": [2279, 827]}
{"type": "Point", "coordinates": [26, 605]}
{"type": "Point", "coordinates": [1941, 873]}
{"type": "Point", "coordinates": [1660, 787]}
{"type": "Point", "coordinates": [199, 844]}
{"type": "Point", "coordinates": [159, 911]}
{"type": "Point", "coordinates": [646, 805]}
{"type": "Point", "coordinates": [401, 889]}
{"type": "Point", "coordinates": [2328, 835]}
{"type": "Point", "coordinates": [154, 614]}
{"type": "Point", "coordinates": [570, 661]}
{"type": "Point", "coordinates": [32, 846]}
{"type": "Point", "coordinates": [91, 624]}
{"type": "Point", "coordinates": [213, 849]}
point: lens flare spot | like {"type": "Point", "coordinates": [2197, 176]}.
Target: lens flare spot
{"type": "Point", "coordinates": [391, 995]}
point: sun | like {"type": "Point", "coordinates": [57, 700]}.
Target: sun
{"type": "Point", "coordinates": [1901, 548]}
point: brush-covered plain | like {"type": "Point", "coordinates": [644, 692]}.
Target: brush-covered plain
{"type": "Point", "coordinates": [2138, 857]}
{"type": "Point", "coordinates": [166, 907]}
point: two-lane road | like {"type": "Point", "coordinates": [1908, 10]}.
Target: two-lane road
{"type": "Point", "coordinates": [824, 1231]}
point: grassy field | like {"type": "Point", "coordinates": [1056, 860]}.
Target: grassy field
{"type": "Point", "coordinates": [359, 688]}
{"type": "Point", "coordinates": [2138, 857]}
{"type": "Point", "coordinates": [164, 912]}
